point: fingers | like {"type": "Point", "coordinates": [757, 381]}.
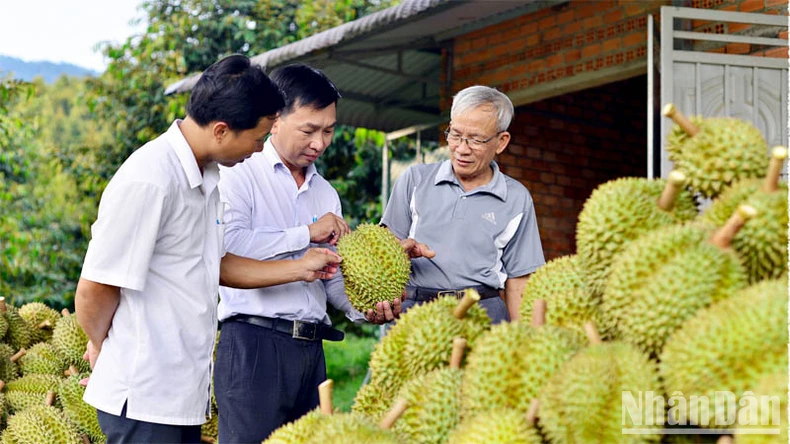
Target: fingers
{"type": "Point", "coordinates": [415, 249]}
{"type": "Point", "coordinates": [84, 381]}
{"type": "Point", "coordinates": [426, 252]}
{"type": "Point", "coordinates": [328, 229]}
{"type": "Point", "coordinates": [396, 307]}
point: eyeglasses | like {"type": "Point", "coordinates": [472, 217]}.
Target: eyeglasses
{"type": "Point", "coordinates": [474, 144]}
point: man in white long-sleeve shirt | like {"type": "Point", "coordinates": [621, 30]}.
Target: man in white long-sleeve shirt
{"type": "Point", "coordinates": [270, 357]}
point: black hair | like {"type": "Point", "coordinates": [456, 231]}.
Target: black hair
{"type": "Point", "coordinates": [236, 92]}
{"type": "Point", "coordinates": [304, 85]}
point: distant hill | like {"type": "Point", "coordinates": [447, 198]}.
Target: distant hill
{"type": "Point", "coordinates": [49, 71]}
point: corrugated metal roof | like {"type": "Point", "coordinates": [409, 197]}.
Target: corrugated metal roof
{"type": "Point", "coordinates": [387, 65]}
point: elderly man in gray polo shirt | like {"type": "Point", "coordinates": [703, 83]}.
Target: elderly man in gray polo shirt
{"type": "Point", "coordinates": [480, 222]}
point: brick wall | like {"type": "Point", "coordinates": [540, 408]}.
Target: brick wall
{"type": "Point", "coordinates": [563, 147]}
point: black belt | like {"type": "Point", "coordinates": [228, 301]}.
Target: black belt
{"type": "Point", "coordinates": [297, 329]}
{"type": "Point", "coordinates": [422, 294]}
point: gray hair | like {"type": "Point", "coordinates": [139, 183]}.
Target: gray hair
{"type": "Point", "coordinates": [476, 96]}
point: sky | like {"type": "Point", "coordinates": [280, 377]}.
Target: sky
{"type": "Point", "coordinates": [65, 30]}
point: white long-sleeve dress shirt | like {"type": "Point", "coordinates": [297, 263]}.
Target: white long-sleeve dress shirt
{"type": "Point", "coordinates": [266, 217]}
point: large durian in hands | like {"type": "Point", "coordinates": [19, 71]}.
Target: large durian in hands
{"type": "Point", "coordinates": [499, 426]}
{"type": "Point", "coordinates": [762, 243]}
{"type": "Point", "coordinates": [583, 402]}
{"type": "Point", "coordinates": [569, 301]}
{"type": "Point", "coordinates": [729, 346]}
{"type": "Point", "coordinates": [715, 151]}
{"type": "Point", "coordinates": [663, 278]}
{"type": "Point", "coordinates": [620, 211]}
{"type": "Point", "coordinates": [375, 266]}
{"type": "Point", "coordinates": [510, 363]}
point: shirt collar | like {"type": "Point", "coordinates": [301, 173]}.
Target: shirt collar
{"type": "Point", "coordinates": [273, 160]}
{"type": "Point", "coordinates": [496, 186]}
{"type": "Point", "coordinates": [186, 157]}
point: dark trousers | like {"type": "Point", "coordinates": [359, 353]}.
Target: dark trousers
{"type": "Point", "coordinates": [263, 379]}
{"type": "Point", "coordinates": [122, 430]}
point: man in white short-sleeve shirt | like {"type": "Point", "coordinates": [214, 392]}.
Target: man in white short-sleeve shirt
{"type": "Point", "coordinates": [147, 296]}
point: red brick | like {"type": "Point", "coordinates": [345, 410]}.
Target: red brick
{"type": "Point", "coordinates": [547, 22]}
{"type": "Point", "coordinates": [782, 3]}
{"type": "Point", "coordinates": [593, 22]}
{"type": "Point", "coordinates": [572, 55]}
{"type": "Point", "coordinates": [738, 48]}
{"type": "Point", "coordinates": [777, 52]}
{"type": "Point", "coordinates": [634, 39]}
{"type": "Point", "coordinates": [634, 8]}
{"type": "Point", "coordinates": [536, 65]}
{"type": "Point", "coordinates": [613, 16]}
{"type": "Point", "coordinates": [554, 60]}
{"type": "Point", "coordinates": [591, 50]}
{"type": "Point", "coordinates": [738, 27]}
{"type": "Point", "coordinates": [552, 33]}
{"type": "Point", "coordinates": [733, 7]}
{"type": "Point", "coordinates": [783, 35]}
{"type": "Point", "coordinates": [611, 45]}
{"type": "Point", "coordinates": [572, 28]}
{"type": "Point", "coordinates": [547, 178]}
{"type": "Point", "coordinates": [565, 17]}
{"type": "Point", "coordinates": [752, 5]}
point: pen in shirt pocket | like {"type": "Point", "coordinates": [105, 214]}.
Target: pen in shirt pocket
{"type": "Point", "coordinates": [315, 218]}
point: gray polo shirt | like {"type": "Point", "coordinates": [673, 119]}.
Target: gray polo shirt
{"type": "Point", "coordinates": [481, 237]}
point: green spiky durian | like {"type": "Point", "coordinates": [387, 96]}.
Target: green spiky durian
{"type": "Point", "coordinates": [351, 428]}
{"type": "Point", "coordinates": [375, 266]}
{"type": "Point", "coordinates": [299, 431]}
{"type": "Point", "coordinates": [41, 319]}
{"type": "Point", "coordinates": [510, 364]}
{"type": "Point", "coordinates": [42, 358]}
{"type": "Point", "coordinates": [18, 334]}
{"type": "Point", "coordinates": [774, 389]}
{"type": "Point", "coordinates": [722, 152]}
{"type": "Point", "coordinates": [729, 346]}
{"type": "Point", "coordinates": [372, 400]}
{"type": "Point", "coordinates": [29, 390]}
{"type": "Point", "coordinates": [80, 413]}
{"type": "Point", "coordinates": [70, 341]}
{"type": "Point", "coordinates": [618, 212]}
{"type": "Point", "coordinates": [662, 279]}
{"type": "Point", "coordinates": [434, 406]}
{"type": "Point", "coordinates": [9, 369]}
{"type": "Point", "coordinates": [569, 301]}
{"type": "Point", "coordinates": [762, 243]}
{"type": "Point", "coordinates": [583, 401]}
{"type": "Point", "coordinates": [500, 426]}
{"type": "Point", "coordinates": [41, 424]}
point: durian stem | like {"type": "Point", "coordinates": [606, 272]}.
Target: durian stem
{"type": "Point", "coordinates": [459, 344]}
{"type": "Point", "coordinates": [675, 183]}
{"type": "Point", "coordinates": [44, 324]}
{"type": "Point", "coordinates": [18, 355]}
{"type": "Point", "coordinates": [470, 297]}
{"type": "Point", "coordinates": [3, 308]}
{"type": "Point", "coordinates": [592, 333]}
{"type": "Point", "coordinates": [532, 412]}
{"type": "Point", "coordinates": [778, 156]}
{"type": "Point", "coordinates": [395, 412]}
{"type": "Point", "coordinates": [678, 117]}
{"type": "Point", "coordinates": [722, 238]}
{"type": "Point", "coordinates": [325, 396]}
{"type": "Point", "coordinates": [85, 439]}
{"type": "Point", "coordinates": [65, 312]}
{"type": "Point", "coordinates": [207, 439]}
{"type": "Point", "coordinates": [2, 384]}
{"type": "Point", "coordinates": [539, 312]}
{"type": "Point", "coordinates": [71, 371]}
{"type": "Point", "coordinates": [725, 439]}
{"type": "Point", "coordinates": [50, 398]}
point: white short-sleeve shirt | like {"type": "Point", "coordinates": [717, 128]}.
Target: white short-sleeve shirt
{"type": "Point", "coordinates": [159, 237]}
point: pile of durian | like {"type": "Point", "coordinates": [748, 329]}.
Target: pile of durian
{"type": "Point", "coordinates": [41, 366]}
{"type": "Point", "coordinates": [664, 295]}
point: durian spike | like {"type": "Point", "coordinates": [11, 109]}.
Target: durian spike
{"type": "Point", "coordinates": [325, 396]}
{"type": "Point", "coordinates": [85, 439]}
{"type": "Point", "coordinates": [470, 297]}
{"type": "Point", "coordinates": [675, 183]}
{"type": "Point", "coordinates": [592, 333]}
{"type": "Point", "coordinates": [778, 156]}
{"type": "Point", "coordinates": [50, 398]}
{"type": "Point", "coordinates": [2, 305]}
{"type": "Point", "coordinates": [207, 439]}
{"type": "Point", "coordinates": [395, 412]}
{"type": "Point", "coordinates": [18, 355]}
{"type": "Point", "coordinates": [459, 345]}
{"type": "Point", "coordinates": [722, 238]}
{"type": "Point", "coordinates": [2, 384]}
{"type": "Point", "coordinates": [678, 117]}
{"type": "Point", "coordinates": [532, 412]}
{"type": "Point", "coordinates": [44, 324]}
{"type": "Point", "coordinates": [65, 312]}
{"type": "Point", "coordinates": [725, 439]}
{"type": "Point", "coordinates": [539, 312]}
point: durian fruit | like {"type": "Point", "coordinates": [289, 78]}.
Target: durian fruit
{"type": "Point", "coordinates": [511, 362]}
{"type": "Point", "coordinates": [70, 341]}
{"type": "Point", "coordinates": [299, 431]}
{"type": "Point", "coordinates": [29, 390]}
{"type": "Point", "coordinates": [583, 402]}
{"type": "Point", "coordinates": [620, 211]}
{"type": "Point", "coordinates": [729, 346]}
{"type": "Point", "coordinates": [42, 358]}
{"type": "Point", "coordinates": [80, 413]}
{"type": "Point", "coordinates": [761, 244]}
{"type": "Point", "coordinates": [716, 151]}
{"type": "Point", "coordinates": [41, 319]}
{"type": "Point", "coordinates": [498, 426]}
{"type": "Point", "coordinates": [773, 389]}
{"type": "Point", "coordinates": [40, 424]}
{"type": "Point", "coordinates": [434, 402]}
{"type": "Point", "coordinates": [18, 334]}
{"type": "Point", "coordinates": [561, 283]}
{"type": "Point", "coordinates": [375, 267]}
{"type": "Point", "coordinates": [9, 369]}
{"type": "Point", "coordinates": [663, 278]}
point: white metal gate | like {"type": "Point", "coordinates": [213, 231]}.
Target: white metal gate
{"type": "Point", "coordinates": [700, 82]}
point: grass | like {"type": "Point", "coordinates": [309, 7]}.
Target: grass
{"type": "Point", "coordinates": [347, 365]}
